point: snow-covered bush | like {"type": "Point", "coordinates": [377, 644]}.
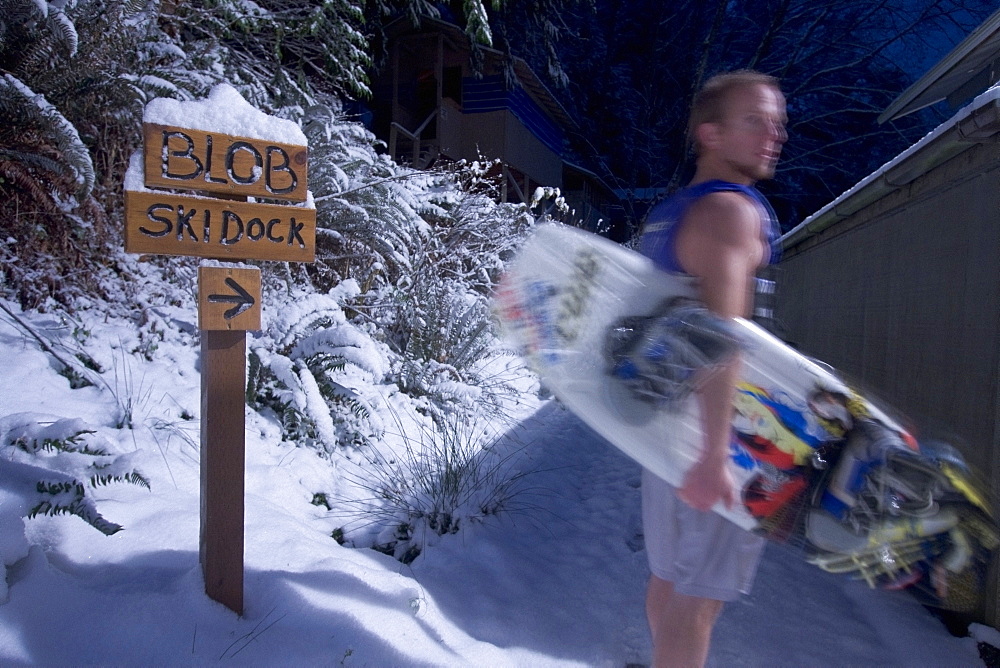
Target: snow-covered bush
{"type": "Point", "coordinates": [279, 44]}
{"type": "Point", "coordinates": [447, 353]}
{"type": "Point", "coordinates": [422, 252]}
{"type": "Point", "coordinates": [439, 322]}
{"type": "Point", "coordinates": [369, 210]}
{"type": "Point", "coordinates": [313, 368]}
{"type": "Point", "coordinates": [56, 230]}
{"type": "Point", "coordinates": [48, 466]}
{"type": "Point", "coordinates": [396, 305]}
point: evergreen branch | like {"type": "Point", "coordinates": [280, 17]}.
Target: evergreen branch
{"type": "Point", "coordinates": [36, 110]}
{"type": "Point", "coordinates": [68, 497]}
{"type": "Point", "coordinates": [132, 477]}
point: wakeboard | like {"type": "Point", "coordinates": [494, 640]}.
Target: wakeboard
{"type": "Point", "coordinates": [625, 346]}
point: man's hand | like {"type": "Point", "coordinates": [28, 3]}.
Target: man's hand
{"type": "Point", "coordinates": [706, 483]}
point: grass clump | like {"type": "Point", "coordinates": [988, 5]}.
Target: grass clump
{"type": "Point", "coordinates": [446, 474]}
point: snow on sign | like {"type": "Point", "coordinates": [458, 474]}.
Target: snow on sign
{"type": "Point", "coordinates": [227, 153]}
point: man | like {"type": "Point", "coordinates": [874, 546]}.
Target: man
{"type": "Point", "coordinates": [720, 231]}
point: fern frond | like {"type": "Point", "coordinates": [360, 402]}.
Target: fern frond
{"type": "Point", "coordinates": [73, 488]}
{"type": "Point", "coordinates": [18, 17]}
{"type": "Point", "coordinates": [326, 363]}
{"type": "Point", "coordinates": [33, 112]}
{"type": "Point", "coordinates": [22, 11]}
{"type": "Point", "coordinates": [25, 181]}
{"type": "Point", "coordinates": [359, 409]}
{"type": "Point", "coordinates": [62, 27]}
{"type": "Point", "coordinates": [133, 478]}
{"type": "Point", "coordinates": [130, 8]}
{"type": "Point", "coordinates": [68, 497]}
{"type": "Point", "coordinates": [34, 161]}
{"type": "Point", "coordinates": [38, 53]}
{"type": "Point", "coordinates": [66, 444]}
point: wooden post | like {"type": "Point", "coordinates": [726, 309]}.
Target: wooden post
{"type": "Point", "coordinates": [223, 456]}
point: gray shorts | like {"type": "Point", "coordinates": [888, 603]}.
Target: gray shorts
{"type": "Point", "coordinates": [701, 553]}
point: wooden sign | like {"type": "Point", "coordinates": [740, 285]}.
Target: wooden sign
{"type": "Point", "coordinates": [167, 223]}
{"type": "Point", "coordinates": [228, 298]}
{"type": "Point", "coordinates": [164, 223]}
{"type": "Point", "coordinates": [213, 162]}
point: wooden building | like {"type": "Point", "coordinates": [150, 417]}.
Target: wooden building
{"type": "Point", "coordinates": [897, 281]}
{"type": "Point", "coordinates": [429, 104]}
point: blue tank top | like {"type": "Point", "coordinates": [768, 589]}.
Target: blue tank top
{"type": "Point", "coordinates": [659, 238]}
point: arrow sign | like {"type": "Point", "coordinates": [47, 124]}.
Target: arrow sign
{"type": "Point", "coordinates": [242, 299]}
{"type": "Point", "coordinates": [223, 286]}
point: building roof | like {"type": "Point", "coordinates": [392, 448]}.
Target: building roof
{"type": "Point", "coordinates": [970, 68]}
{"type": "Point", "coordinates": [977, 122]}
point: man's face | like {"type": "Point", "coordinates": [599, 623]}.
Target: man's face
{"type": "Point", "coordinates": [752, 131]}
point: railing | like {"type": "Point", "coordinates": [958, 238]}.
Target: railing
{"type": "Point", "coordinates": [422, 152]}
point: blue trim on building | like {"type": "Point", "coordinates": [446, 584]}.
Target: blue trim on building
{"type": "Point", "coordinates": [490, 94]}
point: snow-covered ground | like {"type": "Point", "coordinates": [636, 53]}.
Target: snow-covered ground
{"type": "Point", "coordinates": [558, 581]}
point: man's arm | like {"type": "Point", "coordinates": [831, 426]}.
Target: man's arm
{"type": "Point", "coordinates": [720, 243]}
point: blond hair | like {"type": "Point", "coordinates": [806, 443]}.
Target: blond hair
{"type": "Point", "coordinates": [709, 104]}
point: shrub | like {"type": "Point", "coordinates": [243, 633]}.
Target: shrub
{"type": "Point", "coordinates": [305, 367]}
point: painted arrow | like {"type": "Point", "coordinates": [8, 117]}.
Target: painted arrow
{"type": "Point", "coordinates": [243, 300]}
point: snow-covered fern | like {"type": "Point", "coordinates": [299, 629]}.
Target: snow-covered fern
{"type": "Point", "coordinates": [50, 463]}
{"type": "Point", "coordinates": [312, 369]}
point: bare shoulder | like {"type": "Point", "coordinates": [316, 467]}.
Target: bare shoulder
{"type": "Point", "coordinates": [724, 218]}
{"type": "Point", "coordinates": [721, 236]}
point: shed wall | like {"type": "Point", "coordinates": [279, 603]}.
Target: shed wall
{"type": "Point", "coordinates": [904, 296]}
{"type": "Point", "coordinates": [907, 300]}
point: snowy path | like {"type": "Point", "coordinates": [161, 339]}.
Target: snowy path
{"type": "Point", "coordinates": [571, 586]}
{"type": "Point", "coordinates": [569, 578]}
